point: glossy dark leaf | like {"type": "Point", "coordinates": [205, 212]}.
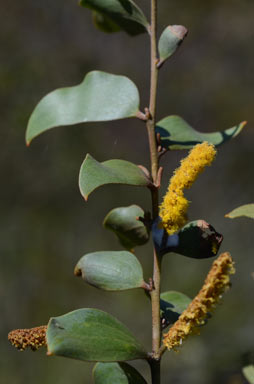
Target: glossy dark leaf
{"type": "Point", "coordinates": [124, 13]}
{"type": "Point", "coordinates": [100, 97]}
{"type": "Point", "coordinates": [94, 174]}
{"type": "Point", "coordinates": [116, 373]}
{"type": "Point", "coordinates": [172, 304]}
{"type": "Point", "coordinates": [243, 211]}
{"type": "Point", "coordinates": [123, 221]}
{"type": "Point", "coordinates": [175, 133]}
{"type": "Point", "coordinates": [92, 335]}
{"type": "Point", "coordinates": [197, 240]}
{"type": "Point", "coordinates": [111, 270]}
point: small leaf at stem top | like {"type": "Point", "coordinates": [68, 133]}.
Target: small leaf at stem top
{"type": "Point", "coordinates": [124, 221]}
{"type": "Point", "coordinates": [116, 373]}
{"type": "Point", "coordinates": [92, 335]}
{"type": "Point", "coordinates": [175, 133]}
{"type": "Point", "coordinates": [170, 40]}
{"type": "Point", "coordinates": [111, 270]}
{"type": "Point", "coordinates": [123, 13]}
{"type": "Point", "coordinates": [94, 174]}
{"type": "Point", "coordinates": [100, 97]}
{"type": "Point", "coordinates": [246, 210]}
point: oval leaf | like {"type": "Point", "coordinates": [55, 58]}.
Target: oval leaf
{"type": "Point", "coordinates": [172, 304]}
{"type": "Point", "coordinates": [100, 97]}
{"type": "Point", "coordinates": [245, 210]}
{"type": "Point", "coordinates": [129, 230]}
{"type": "Point", "coordinates": [175, 133]}
{"type": "Point", "coordinates": [248, 373]}
{"type": "Point", "coordinates": [116, 373]}
{"type": "Point", "coordinates": [171, 38]}
{"type": "Point", "coordinates": [112, 271]}
{"type": "Point", "coordinates": [197, 240]}
{"type": "Point", "coordinates": [94, 174]}
{"type": "Point", "coordinates": [104, 23]}
{"type": "Point", "coordinates": [92, 335]}
{"type": "Point", "coordinates": [124, 13]}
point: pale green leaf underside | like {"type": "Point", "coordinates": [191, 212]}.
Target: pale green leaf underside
{"type": "Point", "coordinates": [92, 335]}
{"type": "Point", "coordinates": [248, 372]}
{"type": "Point", "coordinates": [100, 97]}
{"type": "Point", "coordinates": [116, 373]}
{"type": "Point", "coordinates": [111, 270]}
{"type": "Point", "coordinates": [94, 174]}
{"type": "Point", "coordinates": [124, 13]}
{"type": "Point", "coordinates": [123, 221]}
{"type": "Point", "coordinates": [175, 133]}
{"type": "Point", "coordinates": [246, 210]}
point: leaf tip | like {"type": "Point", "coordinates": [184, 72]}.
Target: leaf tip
{"type": "Point", "coordinates": [77, 271]}
{"type": "Point", "coordinates": [178, 30]}
{"type": "Point", "coordinates": [27, 140]}
{"type": "Point", "coordinates": [243, 123]}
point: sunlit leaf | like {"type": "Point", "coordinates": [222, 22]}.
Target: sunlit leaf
{"type": "Point", "coordinates": [197, 240]}
{"type": "Point", "coordinates": [92, 335]}
{"type": "Point", "coordinates": [245, 210]}
{"type": "Point", "coordinates": [111, 270]}
{"type": "Point", "coordinates": [175, 133]}
{"type": "Point", "coordinates": [123, 221]}
{"type": "Point", "coordinates": [124, 13]}
{"type": "Point", "coordinates": [116, 373]}
{"type": "Point", "coordinates": [94, 174]}
{"type": "Point", "coordinates": [100, 97]}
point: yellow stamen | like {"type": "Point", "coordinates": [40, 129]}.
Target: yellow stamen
{"type": "Point", "coordinates": [216, 283]}
{"type": "Point", "coordinates": [173, 210]}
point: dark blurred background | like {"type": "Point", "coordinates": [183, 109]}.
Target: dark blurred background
{"type": "Point", "coordinates": [45, 224]}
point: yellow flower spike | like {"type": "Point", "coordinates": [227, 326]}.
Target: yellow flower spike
{"type": "Point", "coordinates": [25, 338]}
{"type": "Point", "coordinates": [173, 210]}
{"type": "Point", "coordinates": [216, 283]}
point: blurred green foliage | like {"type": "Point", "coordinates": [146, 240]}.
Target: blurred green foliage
{"type": "Point", "coordinates": [45, 224]}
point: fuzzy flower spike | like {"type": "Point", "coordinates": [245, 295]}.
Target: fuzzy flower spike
{"type": "Point", "coordinates": [217, 281]}
{"type": "Point", "coordinates": [173, 210]}
{"type": "Point", "coordinates": [33, 338]}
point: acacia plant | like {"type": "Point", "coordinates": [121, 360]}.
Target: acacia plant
{"type": "Point", "coordinates": [91, 334]}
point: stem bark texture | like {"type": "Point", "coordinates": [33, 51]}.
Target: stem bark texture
{"type": "Point", "coordinates": [155, 294]}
